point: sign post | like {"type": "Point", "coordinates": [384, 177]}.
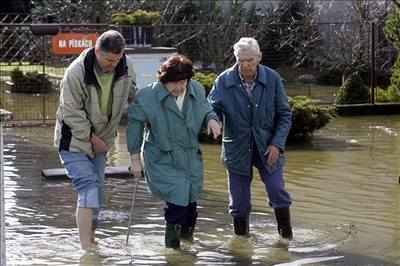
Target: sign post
{"type": "Point", "coordinates": [43, 30]}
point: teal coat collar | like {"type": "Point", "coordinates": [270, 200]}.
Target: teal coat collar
{"type": "Point", "coordinates": [162, 91]}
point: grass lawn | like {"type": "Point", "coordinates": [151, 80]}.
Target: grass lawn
{"type": "Point", "coordinates": [290, 74]}
{"type": "Point", "coordinates": [320, 93]}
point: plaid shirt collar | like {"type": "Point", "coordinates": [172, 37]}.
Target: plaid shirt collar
{"type": "Point", "coordinates": [249, 86]}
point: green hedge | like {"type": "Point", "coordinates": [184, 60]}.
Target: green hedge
{"type": "Point", "coordinates": [138, 17]}
{"type": "Point", "coordinates": [353, 91]}
{"type": "Point", "coordinates": [206, 80]}
{"type": "Point", "coordinates": [307, 117]}
{"type": "Point", "coordinates": [389, 95]}
{"type": "Point", "coordinates": [31, 82]}
{"type": "Point", "coordinates": [393, 90]}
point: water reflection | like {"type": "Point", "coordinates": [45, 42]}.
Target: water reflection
{"type": "Point", "coordinates": [344, 184]}
{"type": "Point", "coordinates": [29, 106]}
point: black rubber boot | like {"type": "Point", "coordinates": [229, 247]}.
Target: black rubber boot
{"type": "Point", "coordinates": [283, 220]}
{"type": "Point", "coordinates": [172, 232]}
{"type": "Point", "coordinates": [187, 233]}
{"type": "Point", "coordinates": [188, 230]}
{"type": "Point", "coordinates": [241, 226]}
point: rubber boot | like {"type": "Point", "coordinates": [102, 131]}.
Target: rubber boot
{"type": "Point", "coordinates": [283, 220]}
{"type": "Point", "coordinates": [187, 233]}
{"type": "Point", "coordinates": [188, 230]}
{"type": "Point", "coordinates": [172, 232]}
{"type": "Point", "coordinates": [241, 226]}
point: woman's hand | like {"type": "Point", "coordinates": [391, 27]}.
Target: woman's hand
{"type": "Point", "coordinates": [214, 127]}
{"type": "Point", "coordinates": [136, 167]}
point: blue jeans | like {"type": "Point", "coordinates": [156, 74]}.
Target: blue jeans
{"type": "Point", "coordinates": [239, 189]}
{"type": "Point", "coordinates": [87, 175]}
{"type": "Point", "coordinates": [182, 215]}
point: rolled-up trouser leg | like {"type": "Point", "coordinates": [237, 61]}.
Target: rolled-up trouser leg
{"type": "Point", "coordinates": [87, 175]}
{"type": "Point", "coordinates": [99, 163]}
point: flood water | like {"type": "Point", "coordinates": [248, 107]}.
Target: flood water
{"type": "Point", "coordinates": [344, 184]}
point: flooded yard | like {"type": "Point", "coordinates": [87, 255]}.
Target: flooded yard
{"type": "Point", "coordinates": [344, 184]}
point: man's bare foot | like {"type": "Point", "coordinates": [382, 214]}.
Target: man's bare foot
{"type": "Point", "coordinates": [93, 238]}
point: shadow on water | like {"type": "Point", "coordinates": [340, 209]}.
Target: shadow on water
{"type": "Point", "coordinates": [344, 184]}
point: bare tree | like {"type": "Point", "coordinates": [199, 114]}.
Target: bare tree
{"type": "Point", "coordinates": [220, 37]}
{"type": "Point", "coordinates": [298, 33]}
{"type": "Point", "coordinates": [214, 30]}
{"type": "Point", "coordinates": [346, 45]}
{"type": "Point", "coordinates": [219, 24]}
{"type": "Point", "coordinates": [79, 11]}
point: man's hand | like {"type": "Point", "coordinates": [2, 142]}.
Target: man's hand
{"type": "Point", "coordinates": [98, 145]}
{"type": "Point", "coordinates": [214, 127]}
{"type": "Point", "coordinates": [136, 167]}
{"type": "Point", "coordinates": [272, 155]}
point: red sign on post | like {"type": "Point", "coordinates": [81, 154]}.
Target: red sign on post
{"type": "Point", "coordinates": [72, 43]}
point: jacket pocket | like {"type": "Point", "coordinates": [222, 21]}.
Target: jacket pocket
{"type": "Point", "coordinates": [156, 155]}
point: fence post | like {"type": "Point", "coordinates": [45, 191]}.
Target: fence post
{"type": "Point", "coordinates": [44, 82]}
{"type": "Point", "coordinates": [2, 205]}
{"type": "Point", "coordinates": [44, 30]}
{"type": "Point", "coordinates": [372, 64]}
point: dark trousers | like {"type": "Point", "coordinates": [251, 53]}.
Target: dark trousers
{"type": "Point", "coordinates": [240, 194]}
{"type": "Point", "coordinates": [182, 215]}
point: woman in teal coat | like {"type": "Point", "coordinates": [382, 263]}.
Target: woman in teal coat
{"type": "Point", "coordinates": [163, 127]}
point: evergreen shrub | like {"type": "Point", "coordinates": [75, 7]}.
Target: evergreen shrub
{"type": "Point", "coordinates": [389, 95]}
{"type": "Point", "coordinates": [307, 117]}
{"type": "Point", "coordinates": [138, 17]}
{"type": "Point", "coordinates": [206, 80]}
{"type": "Point", "coordinates": [31, 82]}
{"type": "Point", "coordinates": [395, 76]}
{"type": "Point", "coordinates": [353, 91]}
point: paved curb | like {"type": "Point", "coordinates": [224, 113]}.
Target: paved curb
{"type": "Point", "coordinates": [368, 109]}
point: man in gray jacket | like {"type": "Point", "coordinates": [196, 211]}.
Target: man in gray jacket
{"type": "Point", "coordinates": [93, 95]}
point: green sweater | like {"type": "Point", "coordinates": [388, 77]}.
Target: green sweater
{"type": "Point", "coordinates": [105, 80]}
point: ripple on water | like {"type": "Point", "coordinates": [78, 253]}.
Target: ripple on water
{"type": "Point", "coordinates": [309, 260]}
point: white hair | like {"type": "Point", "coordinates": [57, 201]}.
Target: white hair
{"type": "Point", "coordinates": [246, 44]}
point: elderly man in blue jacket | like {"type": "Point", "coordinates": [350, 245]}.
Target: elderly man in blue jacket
{"type": "Point", "coordinates": [251, 101]}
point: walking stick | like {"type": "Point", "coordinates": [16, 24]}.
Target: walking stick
{"type": "Point", "coordinates": [132, 206]}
